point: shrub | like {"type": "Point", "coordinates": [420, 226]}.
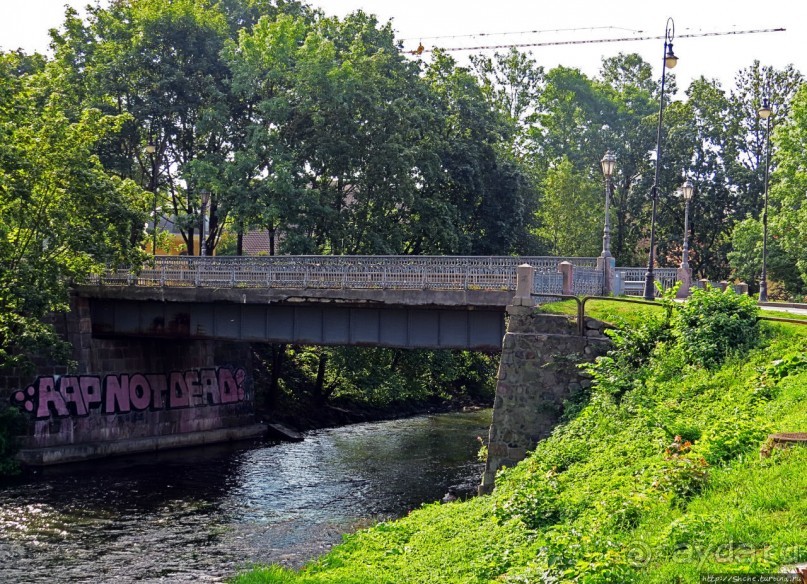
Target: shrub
{"type": "Point", "coordinates": [712, 324]}
{"type": "Point", "coordinates": [683, 473]}
{"type": "Point", "coordinates": [790, 364]}
{"type": "Point", "coordinates": [634, 346]}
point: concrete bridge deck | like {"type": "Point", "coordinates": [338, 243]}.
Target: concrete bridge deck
{"type": "Point", "coordinates": [393, 301]}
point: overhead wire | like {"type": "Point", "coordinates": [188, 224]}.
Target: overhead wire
{"type": "Point", "coordinates": [520, 32]}
{"type": "Point", "coordinates": [422, 49]}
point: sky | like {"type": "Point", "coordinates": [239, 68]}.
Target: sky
{"type": "Point", "coordinates": [463, 23]}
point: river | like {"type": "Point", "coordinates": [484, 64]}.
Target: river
{"type": "Point", "coordinates": [200, 515]}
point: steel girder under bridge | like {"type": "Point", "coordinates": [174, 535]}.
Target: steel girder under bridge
{"type": "Point", "coordinates": [308, 323]}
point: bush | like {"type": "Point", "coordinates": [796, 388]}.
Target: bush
{"type": "Point", "coordinates": [535, 504]}
{"type": "Point", "coordinates": [634, 346]}
{"type": "Point", "coordinates": [712, 324]}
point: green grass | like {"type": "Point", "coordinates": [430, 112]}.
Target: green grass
{"type": "Point", "coordinates": [608, 498]}
{"type": "Point", "coordinates": [780, 314]}
{"type": "Point", "coordinates": [629, 313]}
{"type": "Point", "coordinates": [610, 311]}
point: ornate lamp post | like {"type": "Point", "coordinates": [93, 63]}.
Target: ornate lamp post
{"type": "Point", "coordinates": [684, 272]}
{"type": "Point", "coordinates": [151, 150]}
{"type": "Point", "coordinates": [205, 195]}
{"type": "Point", "coordinates": [670, 60]}
{"type": "Point", "coordinates": [765, 113]}
{"type": "Point", "coordinates": [608, 164]}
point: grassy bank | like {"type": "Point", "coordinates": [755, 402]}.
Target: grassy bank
{"type": "Point", "coordinates": [656, 478]}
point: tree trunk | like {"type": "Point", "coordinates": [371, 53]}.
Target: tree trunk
{"type": "Point", "coordinates": [320, 382]}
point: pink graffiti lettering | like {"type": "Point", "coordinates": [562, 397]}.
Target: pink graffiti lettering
{"type": "Point", "coordinates": [116, 390]}
{"type": "Point", "coordinates": [228, 386]}
{"type": "Point", "coordinates": [77, 396]}
{"type": "Point", "coordinates": [210, 387]}
{"type": "Point", "coordinates": [179, 396]}
{"type": "Point", "coordinates": [139, 392]}
{"type": "Point", "coordinates": [70, 389]}
{"type": "Point", "coordinates": [159, 389]}
{"type": "Point", "coordinates": [194, 388]}
{"type": "Point", "coordinates": [90, 391]}
{"type": "Point", "coordinates": [50, 398]}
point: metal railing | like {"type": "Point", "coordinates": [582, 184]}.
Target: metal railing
{"type": "Point", "coordinates": [588, 282]}
{"type": "Point", "coordinates": [632, 279]}
{"type": "Point", "coordinates": [351, 272]}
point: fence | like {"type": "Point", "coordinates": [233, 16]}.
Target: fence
{"type": "Point", "coordinates": [352, 272]}
{"type": "Point", "coordinates": [630, 281]}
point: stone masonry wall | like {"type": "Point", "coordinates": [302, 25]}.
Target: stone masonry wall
{"type": "Point", "coordinates": [537, 372]}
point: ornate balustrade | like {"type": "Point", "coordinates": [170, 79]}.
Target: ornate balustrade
{"type": "Point", "coordinates": [492, 273]}
{"type": "Point", "coordinates": [587, 282]}
{"type": "Point", "coordinates": [351, 272]}
{"type": "Point", "coordinates": [632, 279]}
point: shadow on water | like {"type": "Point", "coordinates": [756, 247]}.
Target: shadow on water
{"type": "Point", "coordinates": [201, 514]}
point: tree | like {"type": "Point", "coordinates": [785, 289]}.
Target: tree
{"type": "Point", "coordinates": [512, 83]}
{"type": "Point", "coordinates": [62, 217]}
{"type": "Point", "coordinates": [745, 256]}
{"type": "Point", "coordinates": [162, 63]}
{"type": "Point", "coordinates": [788, 221]}
{"type": "Point", "coordinates": [580, 118]}
{"type": "Point", "coordinates": [335, 134]}
{"type": "Point", "coordinates": [478, 196]}
{"type": "Point", "coordinates": [745, 147]}
{"type": "Point", "coordinates": [717, 139]}
{"type": "Point", "coordinates": [570, 209]}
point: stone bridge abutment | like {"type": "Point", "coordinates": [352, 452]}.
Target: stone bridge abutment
{"type": "Point", "coordinates": [538, 371]}
{"type": "Point", "coordinates": [130, 395]}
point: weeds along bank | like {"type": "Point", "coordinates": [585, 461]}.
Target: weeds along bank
{"type": "Point", "coordinates": [656, 477]}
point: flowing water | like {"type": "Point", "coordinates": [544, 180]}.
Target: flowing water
{"type": "Point", "coordinates": [200, 515]}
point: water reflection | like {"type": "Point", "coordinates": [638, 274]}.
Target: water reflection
{"type": "Point", "coordinates": [199, 515]}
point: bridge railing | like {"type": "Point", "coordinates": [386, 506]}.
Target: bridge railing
{"type": "Point", "coordinates": [352, 272]}
{"type": "Point", "coordinates": [631, 280]}
{"type": "Point", "coordinates": [587, 282]}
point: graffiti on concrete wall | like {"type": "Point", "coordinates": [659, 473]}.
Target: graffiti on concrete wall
{"type": "Point", "coordinates": [80, 395]}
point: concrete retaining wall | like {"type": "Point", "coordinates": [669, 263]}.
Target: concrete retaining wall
{"type": "Point", "coordinates": [132, 395]}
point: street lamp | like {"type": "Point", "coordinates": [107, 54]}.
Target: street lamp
{"type": "Point", "coordinates": [765, 114]}
{"type": "Point", "coordinates": [687, 191]}
{"type": "Point", "coordinates": [684, 273]}
{"type": "Point", "coordinates": [608, 164]}
{"type": "Point", "coordinates": [205, 198]}
{"type": "Point", "coordinates": [670, 60]}
{"type": "Point", "coordinates": [151, 150]}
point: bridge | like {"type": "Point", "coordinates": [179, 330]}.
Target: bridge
{"type": "Point", "coordinates": [163, 352]}
{"type": "Point", "coordinates": [393, 301]}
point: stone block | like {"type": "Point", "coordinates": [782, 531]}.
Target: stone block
{"type": "Point", "coordinates": [519, 310]}
{"type": "Point", "coordinates": [497, 449]}
{"type": "Point", "coordinates": [516, 454]}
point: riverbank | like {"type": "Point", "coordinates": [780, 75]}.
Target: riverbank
{"type": "Point", "coordinates": [657, 478]}
{"type": "Point", "coordinates": [304, 417]}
